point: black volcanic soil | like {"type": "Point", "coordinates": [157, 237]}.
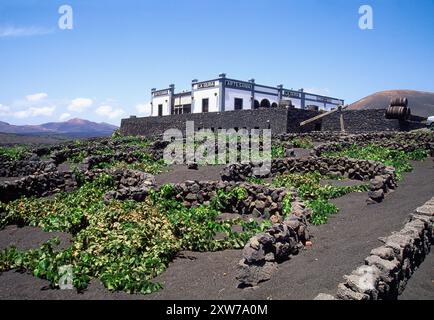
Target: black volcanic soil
{"type": "Point", "coordinates": [27, 238]}
{"type": "Point", "coordinates": [421, 284]}
{"type": "Point", "coordinates": [338, 247]}
{"type": "Point", "coordinates": [180, 173]}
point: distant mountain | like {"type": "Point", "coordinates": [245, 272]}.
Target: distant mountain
{"type": "Point", "coordinates": [421, 103]}
{"type": "Point", "coordinates": [71, 128]}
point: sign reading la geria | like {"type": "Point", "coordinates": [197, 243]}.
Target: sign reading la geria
{"type": "Point", "coordinates": [207, 84]}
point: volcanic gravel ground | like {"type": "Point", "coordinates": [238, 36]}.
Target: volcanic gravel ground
{"type": "Point", "coordinates": [180, 173]}
{"type": "Point", "coordinates": [339, 247]}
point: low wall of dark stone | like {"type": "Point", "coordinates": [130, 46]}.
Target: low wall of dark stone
{"type": "Point", "coordinates": [382, 178]}
{"type": "Point", "coordinates": [388, 268]}
{"type": "Point", "coordinates": [330, 136]}
{"type": "Point", "coordinates": [260, 201]}
{"type": "Point", "coordinates": [367, 120]}
{"type": "Point", "coordinates": [129, 184]}
{"type": "Point", "coordinates": [279, 120]}
{"type": "Point", "coordinates": [40, 185]}
{"type": "Point", "coordinates": [264, 251]}
{"type": "Point", "coordinates": [23, 168]}
{"type": "Point", "coordinates": [336, 141]}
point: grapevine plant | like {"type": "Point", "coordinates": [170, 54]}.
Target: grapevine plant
{"type": "Point", "coordinates": [14, 153]}
{"type": "Point", "coordinates": [398, 159]}
{"type": "Point", "coordinates": [123, 243]}
{"type": "Point", "coordinates": [315, 195]}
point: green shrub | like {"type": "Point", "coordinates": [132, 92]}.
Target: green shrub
{"type": "Point", "coordinates": [310, 190]}
{"type": "Point", "coordinates": [321, 209]}
{"type": "Point", "coordinates": [14, 153]}
{"type": "Point", "coordinates": [305, 143]}
{"type": "Point", "coordinates": [123, 243]}
{"type": "Point", "coordinates": [390, 157]}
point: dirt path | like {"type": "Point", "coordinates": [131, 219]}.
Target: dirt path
{"type": "Point", "coordinates": [27, 238]}
{"type": "Point", "coordinates": [339, 247]}
{"type": "Point", "coordinates": [421, 284]}
{"type": "Point", "coordinates": [180, 173]}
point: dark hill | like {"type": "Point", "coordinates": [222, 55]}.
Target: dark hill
{"type": "Point", "coordinates": [421, 103]}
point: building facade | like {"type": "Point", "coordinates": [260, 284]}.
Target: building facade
{"type": "Point", "coordinates": [224, 94]}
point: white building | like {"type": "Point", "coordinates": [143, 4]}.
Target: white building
{"type": "Point", "coordinates": [224, 94]}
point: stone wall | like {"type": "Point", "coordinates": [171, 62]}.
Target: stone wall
{"type": "Point", "coordinates": [23, 168]}
{"type": "Point", "coordinates": [382, 178]}
{"type": "Point", "coordinates": [129, 184]}
{"type": "Point", "coordinates": [260, 201]}
{"type": "Point", "coordinates": [360, 138]}
{"type": "Point", "coordinates": [40, 185]}
{"type": "Point", "coordinates": [366, 120]}
{"type": "Point", "coordinates": [264, 251]}
{"type": "Point", "coordinates": [279, 120]}
{"type": "Point", "coordinates": [388, 268]}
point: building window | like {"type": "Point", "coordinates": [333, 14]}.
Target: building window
{"type": "Point", "coordinates": [187, 108]}
{"type": "Point", "coordinates": [178, 109]}
{"type": "Point", "coordinates": [238, 104]}
{"type": "Point", "coordinates": [205, 105]}
{"type": "Point", "coordinates": [265, 103]}
{"type": "Point", "coordinates": [256, 104]}
{"type": "Point", "coordinates": [160, 110]}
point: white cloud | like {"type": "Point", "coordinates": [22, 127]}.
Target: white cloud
{"type": "Point", "coordinates": [64, 116]}
{"type": "Point", "coordinates": [109, 111]}
{"type": "Point", "coordinates": [12, 31]}
{"type": "Point", "coordinates": [79, 104]}
{"type": "Point", "coordinates": [319, 91]}
{"type": "Point", "coordinates": [144, 109]}
{"type": "Point", "coordinates": [36, 96]}
{"type": "Point", "coordinates": [34, 112]}
{"type": "Point", "coordinates": [4, 110]}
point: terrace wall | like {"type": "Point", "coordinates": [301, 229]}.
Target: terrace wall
{"type": "Point", "coordinates": [279, 120]}
{"type": "Point", "coordinates": [368, 120]}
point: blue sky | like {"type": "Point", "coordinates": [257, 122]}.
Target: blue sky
{"type": "Point", "coordinates": [104, 68]}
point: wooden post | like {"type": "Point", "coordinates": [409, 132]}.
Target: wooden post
{"type": "Point", "coordinates": [342, 122]}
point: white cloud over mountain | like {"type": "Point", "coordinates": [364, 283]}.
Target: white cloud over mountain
{"type": "Point", "coordinates": [64, 116]}
{"type": "Point", "coordinates": [33, 107]}
{"type": "Point", "coordinates": [79, 104]}
{"type": "Point", "coordinates": [144, 109]}
{"type": "Point", "coordinates": [34, 112]}
{"type": "Point", "coordinates": [109, 111]}
{"type": "Point", "coordinates": [4, 110]}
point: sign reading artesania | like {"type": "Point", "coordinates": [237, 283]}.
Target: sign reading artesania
{"type": "Point", "coordinates": [238, 85]}
{"type": "Point", "coordinates": [324, 99]}
{"type": "Point", "coordinates": [289, 93]}
{"type": "Point", "coordinates": [207, 84]}
{"type": "Point", "coordinates": [161, 93]}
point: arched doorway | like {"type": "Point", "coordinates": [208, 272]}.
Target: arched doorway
{"type": "Point", "coordinates": [265, 103]}
{"type": "Point", "coordinates": [274, 105]}
{"type": "Point", "coordinates": [256, 104]}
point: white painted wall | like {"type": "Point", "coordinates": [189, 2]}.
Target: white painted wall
{"type": "Point", "coordinates": [266, 89]}
{"type": "Point", "coordinates": [271, 98]}
{"type": "Point", "coordinates": [213, 94]}
{"type": "Point", "coordinates": [231, 94]}
{"type": "Point", "coordinates": [182, 100]}
{"type": "Point", "coordinates": [165, 101]}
